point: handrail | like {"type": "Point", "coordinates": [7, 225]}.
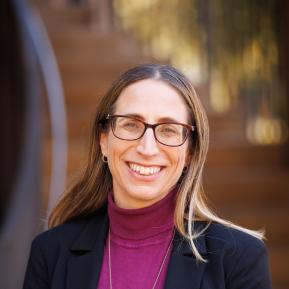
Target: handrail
{"type": "Point", "coordinates": [36, 32]}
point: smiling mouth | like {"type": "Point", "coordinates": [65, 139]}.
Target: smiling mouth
{"type": "Point", "coordinates": [145, 171]}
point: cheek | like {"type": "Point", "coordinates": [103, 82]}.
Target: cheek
{"type": "Point", "coordinates": [112, 144]}
{"type": "Point", "coordinates": [116, 150]}
{"type": "Point", "coordinates": [178, 158]}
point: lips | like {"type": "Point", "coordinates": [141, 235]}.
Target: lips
{"type": "Point", "coordinates": [144, 170]}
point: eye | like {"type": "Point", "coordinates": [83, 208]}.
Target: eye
{"type": "Point", "coordinates": [169, 130]}
{"type": "Point", "coordinates": [129, 124]}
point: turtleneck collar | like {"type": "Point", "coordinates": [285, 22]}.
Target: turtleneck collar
{"type": "Point", "coordinates": [136, 224]}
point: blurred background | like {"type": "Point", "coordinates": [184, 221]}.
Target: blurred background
{"type": "Point", "coordinates": [59, 56]}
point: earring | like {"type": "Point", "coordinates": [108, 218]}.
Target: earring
{"type": "Point", "coordinates": [185, 169]}
{"type": "Point", "coordinates": [104, 158]}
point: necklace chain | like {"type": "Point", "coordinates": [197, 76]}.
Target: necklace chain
{"type": "Point", "coordinates": [161, 267]}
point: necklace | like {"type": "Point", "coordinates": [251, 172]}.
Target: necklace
{"type": "Point", "coordinates": [161, 267]}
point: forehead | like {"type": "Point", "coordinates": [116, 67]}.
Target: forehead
{"type": "Point", "coordinates": [153, 100]}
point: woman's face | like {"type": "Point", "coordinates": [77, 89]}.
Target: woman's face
{"type": "Point", "coordinates": [134, 185]}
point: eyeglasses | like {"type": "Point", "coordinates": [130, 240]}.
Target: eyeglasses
{"type": "Point", "coordinates": [167, 133]}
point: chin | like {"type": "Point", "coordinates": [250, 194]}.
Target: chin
{"type": "Point", "coordinates": [145, 193]}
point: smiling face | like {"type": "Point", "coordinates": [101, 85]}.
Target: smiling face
{"type": "Point", "coordinates": [143, 170]}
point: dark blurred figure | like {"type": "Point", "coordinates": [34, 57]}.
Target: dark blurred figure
{"type": "Point", "coordinates": [20, 146]}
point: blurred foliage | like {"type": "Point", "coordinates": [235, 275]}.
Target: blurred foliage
{"type": "Point", "coordinates": [167, 29]}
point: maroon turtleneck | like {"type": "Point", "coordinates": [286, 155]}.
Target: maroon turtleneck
{"type": "Point", "coordinates": [139, 240]}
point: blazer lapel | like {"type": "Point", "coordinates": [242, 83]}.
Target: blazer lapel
{"type": "Point", "coordinates": [84, 265]}
{"type": "Point", "coordinates": [184, 271]}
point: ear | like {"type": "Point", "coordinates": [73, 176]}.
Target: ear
{"type": "Point", "coordinates": [103, 142]}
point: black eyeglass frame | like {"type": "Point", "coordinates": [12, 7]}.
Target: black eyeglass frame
{"type": "Point", "coordinates": [146, 126]}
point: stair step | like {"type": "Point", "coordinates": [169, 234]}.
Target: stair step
{"type": "Point", "coordinates": [58, 17]}
{"type": "Point", "coordinates": [225, 154]}
{"type": "Point", "coordinates": [247, 185]}
{"type": "Point", "coordinates": [73, 41]}
{"type": "Point", "coordinates": [279, 264]}
{"type": "Point", "coordinates": [93, 71]}
{"type": "Point", "coordinates": [227, 121]}
{"type": "Point", "coordinates": [262, 217]}
{"type": "Point", "coordinates": [81, 91]}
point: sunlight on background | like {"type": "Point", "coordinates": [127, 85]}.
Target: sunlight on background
{"type": "Point", "coordinates": [168, 36]}
{"type": "Point", "coordinates": [230, 46]}
{"type": "Point", "coordinates": [266, 130]}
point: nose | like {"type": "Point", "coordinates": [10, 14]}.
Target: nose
{"type": "Point", "coordinates": [148, 144]}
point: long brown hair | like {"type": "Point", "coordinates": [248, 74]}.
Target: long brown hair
{"type": "Point", "coordinates": [90, 191]}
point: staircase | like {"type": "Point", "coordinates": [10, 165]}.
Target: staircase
{"type": "Point", "coordinates": [246, 184]}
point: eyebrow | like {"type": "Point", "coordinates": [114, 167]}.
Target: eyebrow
{"type": "Point", "coordinates": [161, 119]}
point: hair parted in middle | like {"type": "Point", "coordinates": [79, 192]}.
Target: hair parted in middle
{"type": "Point", "coordinates": [90, 191]}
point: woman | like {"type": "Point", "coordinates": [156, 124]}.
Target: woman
{"type": "Point", "coordinates": [137, 217]}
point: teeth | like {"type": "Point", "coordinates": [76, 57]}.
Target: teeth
{"type": "Point", "coordinates": [144, 170]}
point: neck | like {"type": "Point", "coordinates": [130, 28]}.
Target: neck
{"type": "Point", "coordinates": [144, 222]}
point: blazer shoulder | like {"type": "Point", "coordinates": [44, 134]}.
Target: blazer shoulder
{"type": "Point", "coordinates": [231, 240]}
{"type": "Point", "coordinates": [224, 237]}
{"type": "Point", "coordinates": [60, 233]}
{"type": "Point", "coordinates": [66, 233]}
{"type": "Point", "coordinates": [244, 256]}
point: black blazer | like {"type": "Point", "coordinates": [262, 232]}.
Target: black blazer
{"type": "Point", "coordinates": [70, 257]}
